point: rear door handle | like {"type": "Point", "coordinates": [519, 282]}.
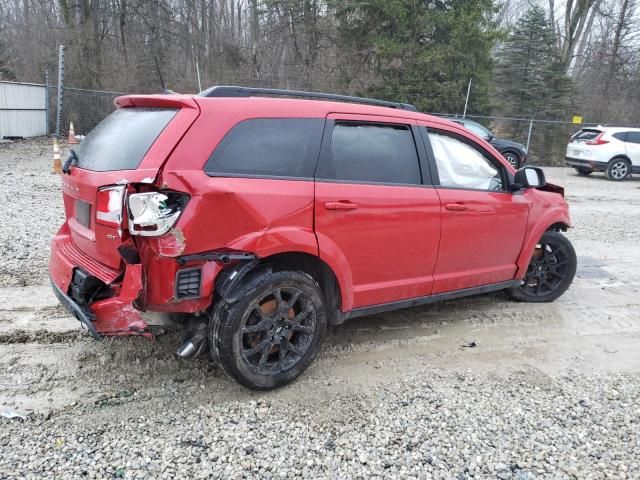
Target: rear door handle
{"type": "Point", "coordinates": [456, 207]}
{"type": "Point", "coordinates": [341, 205]}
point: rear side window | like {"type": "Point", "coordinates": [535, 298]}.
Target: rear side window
{"type": "Point", "coordinates": [279, 147]}
{"type": "Point", "coordinates": [633, 137]}
{"type": "Point", "coordinates": [620, 136]}
{"type": "Point", "coordinates": [121, 140]}
{"type": "Point", "coordinates": [371, 153]}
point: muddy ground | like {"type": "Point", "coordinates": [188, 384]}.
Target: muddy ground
{"type": "Point", "coordinates": [548, 391]}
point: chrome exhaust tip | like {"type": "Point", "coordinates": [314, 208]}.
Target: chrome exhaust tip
{"type": "Point", "coordinates": [187, 349]}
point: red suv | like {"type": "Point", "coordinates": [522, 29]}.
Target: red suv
{"type": "Point", "coordinates": [252, 222]}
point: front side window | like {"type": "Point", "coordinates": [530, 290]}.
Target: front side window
{"type": "Point", "coordinates": [279, 147]}
{"type": "Point", "coordinates": [462, 166]}
{"type": "Point", "coordinates": [362, 152]}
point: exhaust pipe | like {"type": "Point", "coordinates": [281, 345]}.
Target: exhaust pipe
{"type": "Point", "coordinates": [187, 349]}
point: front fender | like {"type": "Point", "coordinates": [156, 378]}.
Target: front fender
{"type": "Point", "coordinates": [557, 214]}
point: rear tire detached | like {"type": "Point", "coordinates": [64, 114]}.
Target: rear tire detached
{"type": "Point", "coordinates": [273, 332]}
{"type": "Point", "coordinates": [550, 271]}
{"type": "Point", "coordinates": [618, 169]}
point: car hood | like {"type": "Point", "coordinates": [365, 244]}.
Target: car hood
{"type": "Point", "coordinates": [501, 144]}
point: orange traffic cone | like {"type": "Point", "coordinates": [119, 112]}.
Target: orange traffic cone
{"type": "Point", "coordinates": [72, 135]}
{"type": "Point", "coordinates": [57, 163]}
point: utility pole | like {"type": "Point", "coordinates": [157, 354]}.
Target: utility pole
{"type": "Point", "coordinates": [198, 73]}
{"type": "Point", "coordinates": [46, 100]}
{"type": "Point", "coordinates": [466, 102]}
{"type": "Point", "coordinates": [60, 88]}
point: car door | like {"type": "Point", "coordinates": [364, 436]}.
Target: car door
{"type": "Point", "coordinates": [483, 223]}
{"type": "Point", "coordinates": [632, 144]}
{"type": "Point", "coordinates": [376, 221]}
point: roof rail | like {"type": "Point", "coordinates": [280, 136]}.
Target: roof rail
{"type": "Point", "coordinates": [232, 91]}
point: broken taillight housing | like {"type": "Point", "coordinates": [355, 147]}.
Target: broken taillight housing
{"type": "Point", "coordinates": [154, 213]}
{"type": "Point", "coordinates": [109, 206]}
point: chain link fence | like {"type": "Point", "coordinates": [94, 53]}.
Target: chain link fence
{"type": "Point", "coordinates": [84, 107]}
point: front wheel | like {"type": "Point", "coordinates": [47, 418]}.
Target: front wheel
{"type": "Point", "coordinates": [273, 332]}
{"type": "Point", "coordinates": [550, 272]}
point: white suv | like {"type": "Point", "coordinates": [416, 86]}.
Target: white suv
{"type": "Point", "coordinates": [612, 150]}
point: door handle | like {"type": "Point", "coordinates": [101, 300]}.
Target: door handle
{"type": "Point", "coordinates": [341, 205]}
{"type": "Point", "coordinates": [456, 207]}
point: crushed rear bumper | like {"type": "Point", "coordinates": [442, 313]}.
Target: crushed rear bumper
{"type": "Point", "coordinates": [114, 315]}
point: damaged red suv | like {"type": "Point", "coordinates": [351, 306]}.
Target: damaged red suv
{"type": "Point", "coordinates": [251, 219]}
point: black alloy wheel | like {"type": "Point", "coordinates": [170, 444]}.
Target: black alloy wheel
{"type": "Point", "coordinates": [272, 332]}
{"type": "Point", "coordinates": [278, 330]}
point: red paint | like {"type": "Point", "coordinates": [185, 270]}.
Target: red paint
{"type": "Point", "coordinates": [383, 242]}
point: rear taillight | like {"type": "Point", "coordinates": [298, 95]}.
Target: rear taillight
{"type": "Point", "coordinates": [154, 213]}
{"type": "Point", "coordinates": [109, 206]}
{"type": "Point", "coordinates": [598, 140]}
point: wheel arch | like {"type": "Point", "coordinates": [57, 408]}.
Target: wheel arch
{"type": "Point", "coordinates": [555, 220]}
{"type": "Point", "coordinates": [230, 282]}
{"type": "Point", "coordinates": [623, 156]}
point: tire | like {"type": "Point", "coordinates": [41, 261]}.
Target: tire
{"type": "Point", "coordinates": [550, 272]}
{"type": "Point", "coordinates": [584, 171]}
{"type": "Point", "coordinates": [618, 169]}
{"type": "Point", "coordinates": [513, 158]}
{"type": "Point", "coordinates": [278, 311]}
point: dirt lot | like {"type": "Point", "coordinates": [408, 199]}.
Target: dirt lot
{"type": "Point", "coordinates": [548, 391]}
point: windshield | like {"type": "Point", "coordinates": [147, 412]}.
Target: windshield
{"type": "Point", "coordinates": [121, 140]}
{"type": "Point", "coordinates": [478, 130]}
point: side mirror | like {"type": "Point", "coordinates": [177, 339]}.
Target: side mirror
{"type": "Point", "coordinates": [529, 177]}
{"type": "Point", "coordinates": [490, 137]}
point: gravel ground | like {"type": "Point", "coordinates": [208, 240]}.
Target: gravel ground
{"type": "Point", "coordinates": [549, 391]}
{"type": "Point", "coordinates": [31, 204]}
{"type": "Point", "coordinates": [425, 426]}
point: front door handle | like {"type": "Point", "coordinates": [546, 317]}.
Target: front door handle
{"type": "Point", "coordinates": [456, 207]}
{"type": "Point", "coordinates": [341, 205]}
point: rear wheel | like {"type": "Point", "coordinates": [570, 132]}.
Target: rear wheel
{"type": "Point", "coordinates": [550, 272]}
{"type": "Point", "coordinates": [618, 169]}
{"type": "Point", "coordinates": [583, 171]}
{"type": "Point", "coordinates": [273, 333]}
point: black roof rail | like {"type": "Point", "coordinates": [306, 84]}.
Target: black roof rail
{"type": "Point", "coordinates": [232, 91]}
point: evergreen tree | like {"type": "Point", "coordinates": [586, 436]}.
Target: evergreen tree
{"type": "Point", "coordinates": [532, 83]}
{"type": "Point", "coordinates": [418, 51]}
{"type": "Point", "coordinates": [531, 79]}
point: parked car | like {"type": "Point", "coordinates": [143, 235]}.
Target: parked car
{"type": "Point", "coordinates": [252, 223]}
{"type": "Point", "coordinates": [612, 150]}
{"type": "Point", "coordinates": [515, 153]}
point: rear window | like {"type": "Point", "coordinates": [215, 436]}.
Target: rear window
{"type": "Point", "coordinates": [586, 134]}
{"type": "Point", "coordinates": [121, 140]}
{"type": "Point", "coordinates": [274, 147]}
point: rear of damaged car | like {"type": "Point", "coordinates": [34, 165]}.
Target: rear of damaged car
{"type": "Point", "coordinates": [116, 206]}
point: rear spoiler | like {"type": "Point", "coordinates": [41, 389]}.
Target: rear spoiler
{"type": "Point", "coordinates": [160, 101]}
